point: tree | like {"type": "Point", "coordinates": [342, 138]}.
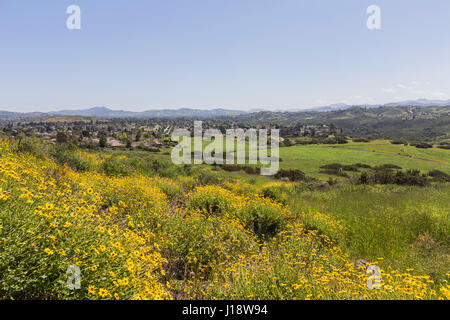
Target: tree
{"type": "Point", "coordinates": [102, 141]}
{"type": "Point", "coordinates": [61, 137]}
{"type": "Point", "coordinates": [138, 135]}
{"type": "Point", "coordinates": [332, 128]}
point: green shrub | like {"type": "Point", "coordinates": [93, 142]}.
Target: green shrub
{"type": "Point", "coordinates": [363, 166]}
{"type": "Point", "coordinates": [171, 190]}
{"type": "Point", "coordinates": [439, 175]}
{"type": "Point", "coordinates": [404, 142]}
{"type": "Point", "coordinates": [387, 166]}
{"type": "Point", "coordinates": [114, 167]}
{"type": "Point", "coordinates": [337, 172]}
{"type": "Point", "coordinates": [423, 145]}
{"type": "Point", "coordinates": [208, 178]}
{"type": "Point", "coordinates": [275, 193]}
{"type": "Point", "coordinates": [408, 177]}
{"type": "Point", "coordinates": [411, 178]}
{"type": "Point", "coordinates": [350, 167]}
{"type": "Point", "coordinates": [264, 220]}
{"type": "Point", "coordinates": [195, 247]}
{"type": "Point", "coordinates": [210, 203]}
{"type": "Point", "coordinates": [292, 174]}
{"type": "Point", "coordinates": [332, 166]}
{"type": "Point", "coordinates": [65, 155]}
{"type": "Point", "coordinates": [31, 146]}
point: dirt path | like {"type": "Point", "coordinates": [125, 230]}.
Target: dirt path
{"type": "Point", "coordinates": [395, 154]}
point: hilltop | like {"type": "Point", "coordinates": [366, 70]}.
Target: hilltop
{"type": "Point", "coordinates": [408, 122]}
{"type": "Point", "coordinates": [415, 120]}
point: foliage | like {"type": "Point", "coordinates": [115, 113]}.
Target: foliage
{"type": "Point", "coordinates": [408, 177]}
{"type": "Point", "coordinates": [138, 235]}
{"type": "Point", "coordinates": [264, 219]}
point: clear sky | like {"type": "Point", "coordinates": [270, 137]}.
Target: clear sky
{"type": "Point", "coordinates": [241, 54]}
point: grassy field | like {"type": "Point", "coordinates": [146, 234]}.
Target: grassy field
{"type": "Point", "coordinates": [309, 158]}
{"type": "Point", "coordinates": [139, 227]}
{"type": "Point", "coordinates": [408, 226]}
{"type": "Point", "coordinates": [65, 119]}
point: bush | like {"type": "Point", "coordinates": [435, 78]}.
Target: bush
{"type": "Point", "coordinates": [265, 221]}
{"type": "Point", "coordinates": [305, 142]}
{"type": "Point", "coordinates": [252, 170]}
{"type": "Point", "coordinates": [207, 178]}
{"type": "Point", "coordinates": [409, 177]}
{"type": "Point", "coordinates": [274, 193]}
{"type": "Point", "coordinates": [61, 137]}
{"type": "Point", "coordinates": [231, 167]}
{"type": "Point", "coordinates": [364, 178]}
{"type": "Point", "coordinates": [422, 145]}
{"type": "Point", "coordinates": [31, 146]}
{"type": "Point", "coordinates": [337, 169]}
{"type": "Point", "coordinates": [196, 246]}
{"type": "Point", "coordinates": [323, 224]}
{"type": "Point", "coordinates": [363, 166]}
{"type": "Point", "coordinates": [332, 166]}
{"type": "Point", "coordinates": [350, 168]}
{"type": "Point", "coordinates": [361, 140]}
{"type": "Point", "coordinates": [102, 141]}
{"type": "Point", "coordinates": [148, 149]}
{"type": "Point", "coordinates": [236, 168]}
{"type": "Point", "coordinates": [388, 166]}
{"type": "Point", "coordinates": [171, 190]}
{"type": "Point", "coordinates": [292, 174]}
{"type": "Point", "coordinates": [404, 142]}
{"type": "Point", "coordinates": [210, 200]}
{"type": "Point", "coordinates": [335, 140]}
{"type": "Point", "coordinates": [64, 155]}
{"type": "Point", "coordinates": [439, 175]}
{"type": "Point", "coordinates": [114, 167]}
{"type": "Point", "coordinates": [337, 172]}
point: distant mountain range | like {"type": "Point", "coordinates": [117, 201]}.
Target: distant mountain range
{"type": "Point", "coordinates": [102, 112]}
{"type": "Point", "coordinates": [419, 103]}
{"type": "Point", "coordinates": [409, 103]}
{"type": "Point", "coordinates": [331, 107]}
{"type": "Point", "coordinates": [106, 113]}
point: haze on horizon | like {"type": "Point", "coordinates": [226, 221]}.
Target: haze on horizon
{"type": "Point", "coordinates": [234, 54]}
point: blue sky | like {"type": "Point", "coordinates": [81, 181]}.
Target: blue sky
{"type": "Point", "coordinates": [238, 54]}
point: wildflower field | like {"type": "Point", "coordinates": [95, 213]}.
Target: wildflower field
{"type": "Point", "coordinates": [195, 234]}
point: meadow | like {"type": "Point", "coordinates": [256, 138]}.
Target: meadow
{"type": "Point", "coordinates": [141, 228]}
{"type": "Point", "coordinates": [309, 158]}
